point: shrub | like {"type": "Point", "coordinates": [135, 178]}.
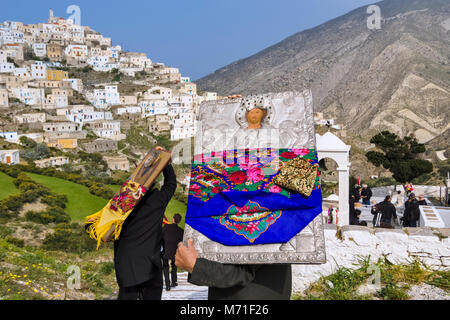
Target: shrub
{"type": "Point", "coordinates": [101, 191]}
{"type": "Point", "coordinates": [5, 231]}
{"type": "Point", "coordinates": [69, 238]}
{"type": "Point", "coordinates": [15, 241]}
{"type": "Point", "coordinates": [51, 215]}
{"type": "Point", "coordinates": [55, 200]}
{"type": "Point", "coordinates": [4, 212]}
{"type": "Point", "coordinates": [13, 202]}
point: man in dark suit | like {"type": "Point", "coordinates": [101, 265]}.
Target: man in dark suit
{"type": "Point", "coordinates": [172, 235]}
{"type": "Point", "coordinates": [233, 281]}
{"type": "Point", "coordinates": [137, 251]}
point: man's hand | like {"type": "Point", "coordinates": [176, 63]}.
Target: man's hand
{"type": "Point", "coordinates": [186, 257]}
{"type": "Point", "coordinates": [158, 148]}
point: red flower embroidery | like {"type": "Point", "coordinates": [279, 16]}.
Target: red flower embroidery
{"type": "Point", "coordinates": [288, 155]}
{"type": "Point", "coordinates": [238, 177]}
{"type": "Point", "coordinates": [216, 189]}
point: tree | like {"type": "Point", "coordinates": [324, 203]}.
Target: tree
{"type": "Point", "coordinates": [399, 156]}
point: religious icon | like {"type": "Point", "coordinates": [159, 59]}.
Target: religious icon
{"type": "Point", "coordinates": [235, 205]}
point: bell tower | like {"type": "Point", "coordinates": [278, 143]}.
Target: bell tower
{"type": "Point", "coordinates": [50, 15]}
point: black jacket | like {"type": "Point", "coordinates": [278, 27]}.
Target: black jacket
{"type": "Point", "coordinates": [412, 211]}
{"type": "Point", "coordinates": [172, 235]}
{"type": "Point", "coordinates": [243, 282]}
{"type": "Point", "coordinates": [388, 211]}
{"type": "Point", "coordinates": [366, 192]}
{"type": "Point", "coordinates": [137, 251]}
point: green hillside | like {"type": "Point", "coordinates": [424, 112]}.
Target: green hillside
{"type": "Point", "coordinates": [6, 186]}
{"type": "Point", "coordinates": [81, 203]}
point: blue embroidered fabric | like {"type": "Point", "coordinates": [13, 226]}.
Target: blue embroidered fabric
{"type": "Point", "coordinates": [233, 200]}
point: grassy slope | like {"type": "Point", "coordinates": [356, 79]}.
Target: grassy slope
{"type": "Point", "coordinates": [6, 186]}
{"type": "Point", "coordinates": [81, 203]}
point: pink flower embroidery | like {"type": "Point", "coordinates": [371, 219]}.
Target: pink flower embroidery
{"type": "Point", "coordinates": [300, 152]}
{"type": "Point", "coordinates": [254, 175]}
{"type": "Point", "coordinates": [275, 189]}
{"type": "Point", "coordinates": [251, 227]}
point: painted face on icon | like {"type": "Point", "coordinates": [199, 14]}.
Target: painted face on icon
{"type": "Point", "coordinates": [255, 118]}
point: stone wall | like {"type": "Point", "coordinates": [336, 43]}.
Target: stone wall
{"type": "Point", "coordinates": [431, 246]}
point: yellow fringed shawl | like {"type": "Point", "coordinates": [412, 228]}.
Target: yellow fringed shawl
{"type": "Point", "coordinates": [115, 212]}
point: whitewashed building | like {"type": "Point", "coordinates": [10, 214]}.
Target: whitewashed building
{"type": "Point", "coordinates": [61, 127]}
{"type": "Point", "coordinates": [39, 70]}
{"type": "Point", "coordinates": [53, 101]}
{"type": "Point", "coordinates": [30, 96]}
{"type": "Point", "coordinates": [9, 156]}
{"type": "Point", "coordinates": [4, 98]}
{"type": "Point", "coordinates": [30, 118]}
{"type": "Point", "coordinates": [103, 98]}
{"type": "Point", "coordinates": [52, 162]}
{"type": "Point", "coordinates": [40, 49]}
{"type": "Point", "coordinates": [128, 109]}
{"type": "Point", "coordinates": [77, 84]}
{"type": "Point", "coordinates": [10, 136]}
{"type": "Point", "coordinates": [7, 67]}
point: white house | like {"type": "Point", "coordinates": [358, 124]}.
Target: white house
{"type": "Point", "coordinates": [108, 129]}
{"type": "Point", "coordinates": [40, 49]}
{"type": "Point", "coordinates": [153, 107]}
{"type": "Point", "coordinates": [23, 73]}
{"type": "Point", "coordinates": [30, 96]}
{"type": "Point", "coordinates": [52, 162]}
{"type": "Point", "coordinates": [182, 133]}
{"type": "Point", "coordinates": [106, 97]}
{"type": "Point", "coordinates": [9, 156]}
{"type": "Point", "coordinates": [3, 56]}
{"type": "Point", "coordinates": [56, 101]}
{"type": "Point", "coordinates": [39, 70]}
{"type": "Point", "coordinates": [4, 98]}
{"type": "Point", "coordinates": [90, 116]}
{"type": "Point", "coordinates": [101, 63]}
{"type": "Point", "coordinates": [61, 127]}
{"type": "Point", "coordinates": [6, 67]}
{"type": "Point", "coordinates": [77, 51]}
{"type": "Point", "coordinates": [158, 93]}
{"type": "Point", "coordinates": [30, 118]}
{"type": "Point", "coordinates": [10, 136]}
{"type": "Point", "coordinates": [74, 109]}
{"type": "Point", "coordinates": [77, 84]}
{"type": "Point", "coordinates": [129, 109]}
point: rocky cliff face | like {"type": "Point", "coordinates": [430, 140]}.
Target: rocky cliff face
{"type": "Point", "coordinates": [395, 78]}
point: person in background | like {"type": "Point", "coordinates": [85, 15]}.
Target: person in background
{"type": "Point", "coordinates": [422, 201]}
{"type": "Point", "coordinates": [412, 212]}
{"type": "Point", "coordinates": [233, 281]}
{"type": "Point", "coordinates": [137, 252]}
{"type": "Point", "coordinates": [172, 235]}
{"type": "Point", "coordinates": [356, 192]}
{"type": "Point", "coordinates": [388, 212]}
{"type": "Point", "coordinates": [351, 209]}
{"type": "Point", "coordinates": [366, 194]}
{"type": "Point", "coordinates": [376, 214]}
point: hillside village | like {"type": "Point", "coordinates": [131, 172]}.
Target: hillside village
{"type": "Point", "coordinates": [68, 87]}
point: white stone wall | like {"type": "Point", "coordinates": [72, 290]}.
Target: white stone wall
{"type": "Point", "coordinates": [399, 246]}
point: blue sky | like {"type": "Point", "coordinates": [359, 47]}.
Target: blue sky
{"type": "Point", "coordinates": [197, 36]}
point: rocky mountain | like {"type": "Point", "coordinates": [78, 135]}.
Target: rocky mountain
{"type": "Point", "coordinates": [395, 78]}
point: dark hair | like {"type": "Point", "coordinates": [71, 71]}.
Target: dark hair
{"type": "Point", "coordinates": [387, 198]}
{"type": "Point", "coordinates": [177, 218]}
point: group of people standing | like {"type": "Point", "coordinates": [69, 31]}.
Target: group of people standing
{"type": "Point", "coordinates": [385, 213]}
